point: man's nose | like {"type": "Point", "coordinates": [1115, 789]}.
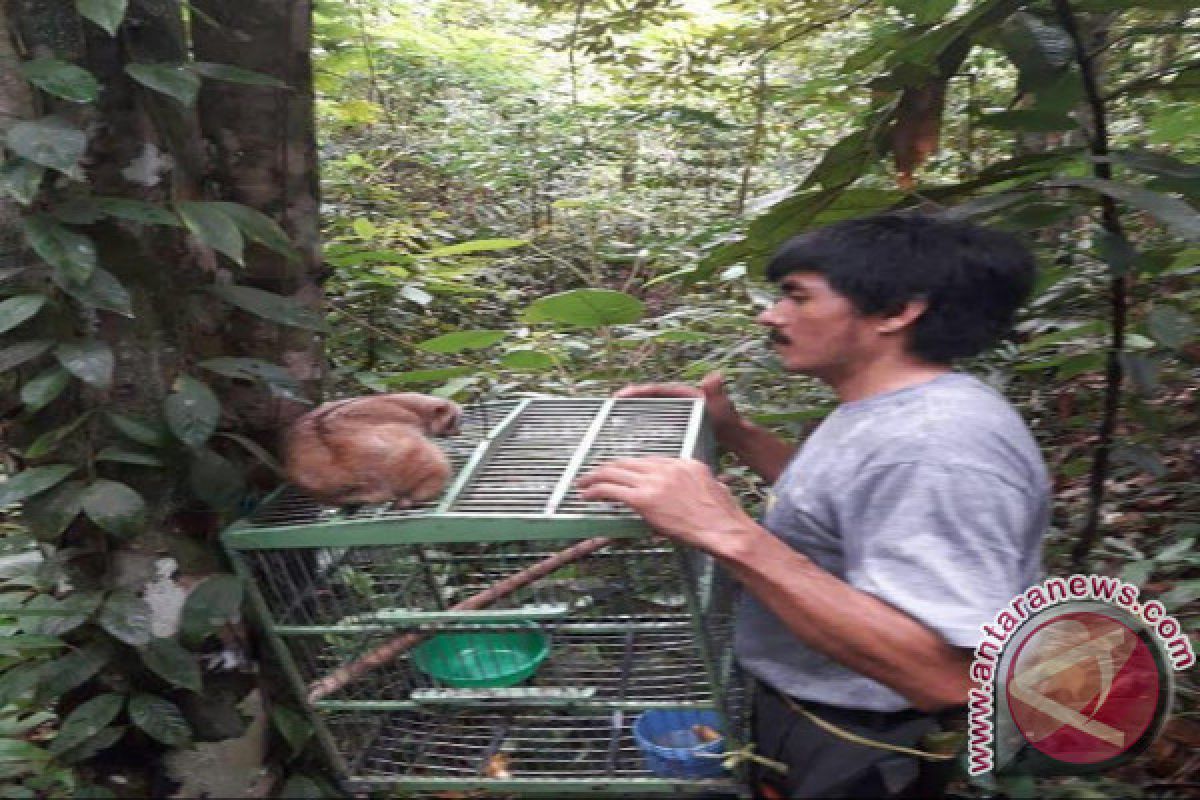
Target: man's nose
{"type": "Point", "coordinates": [767, 316]}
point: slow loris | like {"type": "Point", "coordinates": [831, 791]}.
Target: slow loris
{"type": "Point", "coordinates": [372, 449]}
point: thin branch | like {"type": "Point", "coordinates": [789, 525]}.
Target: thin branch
{"type": "Point", "coordinates": [816, 26]}
{"type": "Point", "coordinates": [1118, 292]}
{"type": "Point", "coordinates": [1150, 79]}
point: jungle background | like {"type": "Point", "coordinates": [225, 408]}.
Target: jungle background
{"type": "Point", "coordinates": [503, 197]}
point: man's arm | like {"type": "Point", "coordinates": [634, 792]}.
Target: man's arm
{"type": "Point", "coordinates": [680, 499]}
{"type": "Point", "coordinates": [756, 447]}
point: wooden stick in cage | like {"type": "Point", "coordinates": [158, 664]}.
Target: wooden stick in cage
{"type": "Point", "coordinates": [348, 673]}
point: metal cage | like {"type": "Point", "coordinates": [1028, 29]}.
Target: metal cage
{"type": "Point", "coordinates": [640, 624]}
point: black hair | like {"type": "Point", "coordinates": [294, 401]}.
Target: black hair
{"type": "Point", "coordinates": [972, 278]}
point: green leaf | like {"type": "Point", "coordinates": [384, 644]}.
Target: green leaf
{"type": "Point", "coordinates": [20, 180]}
{"type": "Point", "coordinates": [136, 211]}
{"type": "Point", "coordinates": [23, 352]}
{"type": "Point", "coordinates": [87, 720]}
{"type": "Point", "coordinates": [39, 391]}
{"type": "Point", "coordinates": [64, 674]}
{"type": "Point", "coordinates": [101, 741]}
{"type": "Point", "coordinates": [175, 80]}
{"type": "Point", "coordinates": [1179, 217]}
{"type": "Point", "coordinates": [271, 306]}
{"type": "Point", "coordinates": [113, 506]}
{"type": "Point", "coordinates": [526, 360]}
{"type": "Point", "coordinates": [63, 249]}
{"type": "Point", "coordinates": [586, 308]}
{"type": "Point", "coordinates": [215, 479]}
{"type": "Point", "coordinates": [91, 361]}
{"type": "Point", "coordinates": [232, 74]}
{"type": "Point", "coordinates": [120, 456]}
{"type": "Point", "coordinates": [16, 310]}
{"type": "Point", "coordinates": [924, 12]}
{"type": "Point", "coordinates": [102, 291]}
{"type": "Point", "coordinates": [215, 602]}
{"type": "Point", "coordinates": [843, 163]}
{"type": "Point", "coordinates": [1080, 364]}
{"type": "Point", "coordinates": [281, 382]}
{"type": "Point", "coordinates": [476, 246]}
{"type": "Point", "coordinates": [61, 79]}
{"type": "Point", "coordinates": [140, 431]}
{"type": "Point", "coordinates": [413, 376]}
{"type": "Point", "coordinates": [48, 141]}
{"type": "Point", "coordinates": [19, 684]}
{"type": "Point", "coordinates": [49, 441]}
{"type": "Point", "coordinates": [127, 617]}
{"type": "Point", "coordinates": [259, 227]}
{"type": "Point", "coordinates": [294, 727]}
{"type": "Point", "coordinates": [1028, 120]}
{"type": "Point", "coordinates": [213, 227]}
{"type": "Point", "coordinates": [171, 662]}
{"type": "Point", "coordinates": [459, 341]}
{"type": "Point", "coordinates": [19, 751]}
{"type": "Point", "coordinates": [50, 616]}
{"type": "Point", "coordinates": [1176, 551]}
{"type": "Point", "coordinates": [192, 411]}
{"type": "Point", "coordinates": [1170, 326]}
{"type": "Point", "coordinates": [105, 13]}
{"type": "Point", "coordinates": [49, 514]}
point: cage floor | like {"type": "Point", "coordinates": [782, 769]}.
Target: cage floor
{"type": "Point", "coordinates": [464, 746]}
{"type": "Point", "coordinates": [649, 661]}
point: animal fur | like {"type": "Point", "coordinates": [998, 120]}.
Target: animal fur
{"type": "Point", "coordinates": [372, 449]}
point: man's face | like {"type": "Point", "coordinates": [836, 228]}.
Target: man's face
{"type": "Point", "coordinates": [817, 331]}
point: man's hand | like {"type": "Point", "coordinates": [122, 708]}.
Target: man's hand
{"type": "Point", "coordinates": [711, 388]}
{"type": "Point", "coordinates": [678, 497]}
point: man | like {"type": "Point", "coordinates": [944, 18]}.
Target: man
{"type": "Point", "coordinates": [904, 522]}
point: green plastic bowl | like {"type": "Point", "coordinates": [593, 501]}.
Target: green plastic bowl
{"type": "Point", "coordinates": [482, 659]}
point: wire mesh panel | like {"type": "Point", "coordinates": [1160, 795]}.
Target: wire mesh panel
{"type": "Point", "coordinates": [414, 682]}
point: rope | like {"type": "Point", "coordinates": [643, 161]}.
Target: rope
{"type": "Point", "coordinates": [854, 738]}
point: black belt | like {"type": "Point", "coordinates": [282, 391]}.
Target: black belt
{"type": "Point", "coordinates": [869, 717]}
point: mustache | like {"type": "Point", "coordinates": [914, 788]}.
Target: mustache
{"type": "Point", "coordinates": [777, 338]}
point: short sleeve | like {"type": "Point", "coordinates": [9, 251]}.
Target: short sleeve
{"type": "Point", "coordinates": [942, 544]}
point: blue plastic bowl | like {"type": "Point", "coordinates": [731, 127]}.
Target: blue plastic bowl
{"type": "Point", "coordinates": [671, 749]}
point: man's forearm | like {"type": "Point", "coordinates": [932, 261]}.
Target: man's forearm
{"type": "Point", "coordinates": [756, 447]}
{"type": "Point", "coordinates": [852, 627]}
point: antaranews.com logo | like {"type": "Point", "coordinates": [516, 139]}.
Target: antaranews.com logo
{"type": "Point", "coordinates": [1074, 675]}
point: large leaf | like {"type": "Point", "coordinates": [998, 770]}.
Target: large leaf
{"type": "Point", "coordinates": [51, 616]}
{"type": "Point", "coordinates": [140, 431]}
{"type": "Point", "coordinates": [120, 455]}
{"type": "Point", "coordinates": [113, 506]}
{"type": "Point", "coordinates": [215, 479]}
{"type": "Point", "coordinates": [127, 617]}
{"type": "Point", "coordinates": [1171, 327]}
{"type": "Point", "coordinates": [459, 341]}
{"type": "Point", "coordinates": [175, 80]}
{"type": "Point", "coordinates": [48, 514]}
{"type": "Point", "coordinates": [102, 291]}
{"type": "Point", "coordinates": [215, 602]}
{"type": "Point", "coordinates": [843, 163]}
{"type": "Point", "coordinates": [63, 249]}
{"type": "Point", "coordinates": [477, 246]}
{"type": "Point", "coordinates": [259, 227]}
{"type": "Point", "coordinates": [526, 360]}
{"type": "Point", "coordinates": [29, 482]}
{"type": "Point", "coordinates": [136, 211]}
{"type": "Point", "coordinates": [160, 718]}
{"type": "Point", "coordinates": [103, 740]}
{"type": "Point", "coordinates": [48, 441]}
{"type": "Point", "coordinates": [281, 382]}
{"type": "Point", "coordinates": [48, 141]}
{"type": "Point", "coordinates": [586, 308]}
{"type": "Point", "coordinates": [213, 227]}
{"type": "Point", "coordinates": [232, 74]}
{"type": "Point", "coordinates": [64, 674]}
{"type": "Point", "coordinates": [16, 310]}
{"type": "Point", "coordinates": [61, 79]}
{"type": "Point", "coordinates": [22, 352]}
{"type": "Point", "coordinates": [87, 720]}
{"type": "Point", "coordinates": [20, 180]}
{"type": "Point", "coordinates": [105, 13]}
{"type": "Point", "coordinates": [192, 411]}
{"type": "Point", "coordinates": [41, 390]}
{"type": "Point", "coordinates": [91, 361]}
{"type": "Point", "coordinates": [172, 663]}
{"type": "Point", "coordinates": [274, 307]}
{"type": "Point", "coordinates": [1179, 217]}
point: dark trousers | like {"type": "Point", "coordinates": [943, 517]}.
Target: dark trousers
{"type": "Point", "coordinates": [823, 765]}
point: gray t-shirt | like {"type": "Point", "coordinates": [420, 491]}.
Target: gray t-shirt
{"type": "Point", "coordinates": [933, 498]}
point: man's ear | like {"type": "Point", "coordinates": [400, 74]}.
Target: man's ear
{"type": "Point", "coordinates": [904, 317]}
